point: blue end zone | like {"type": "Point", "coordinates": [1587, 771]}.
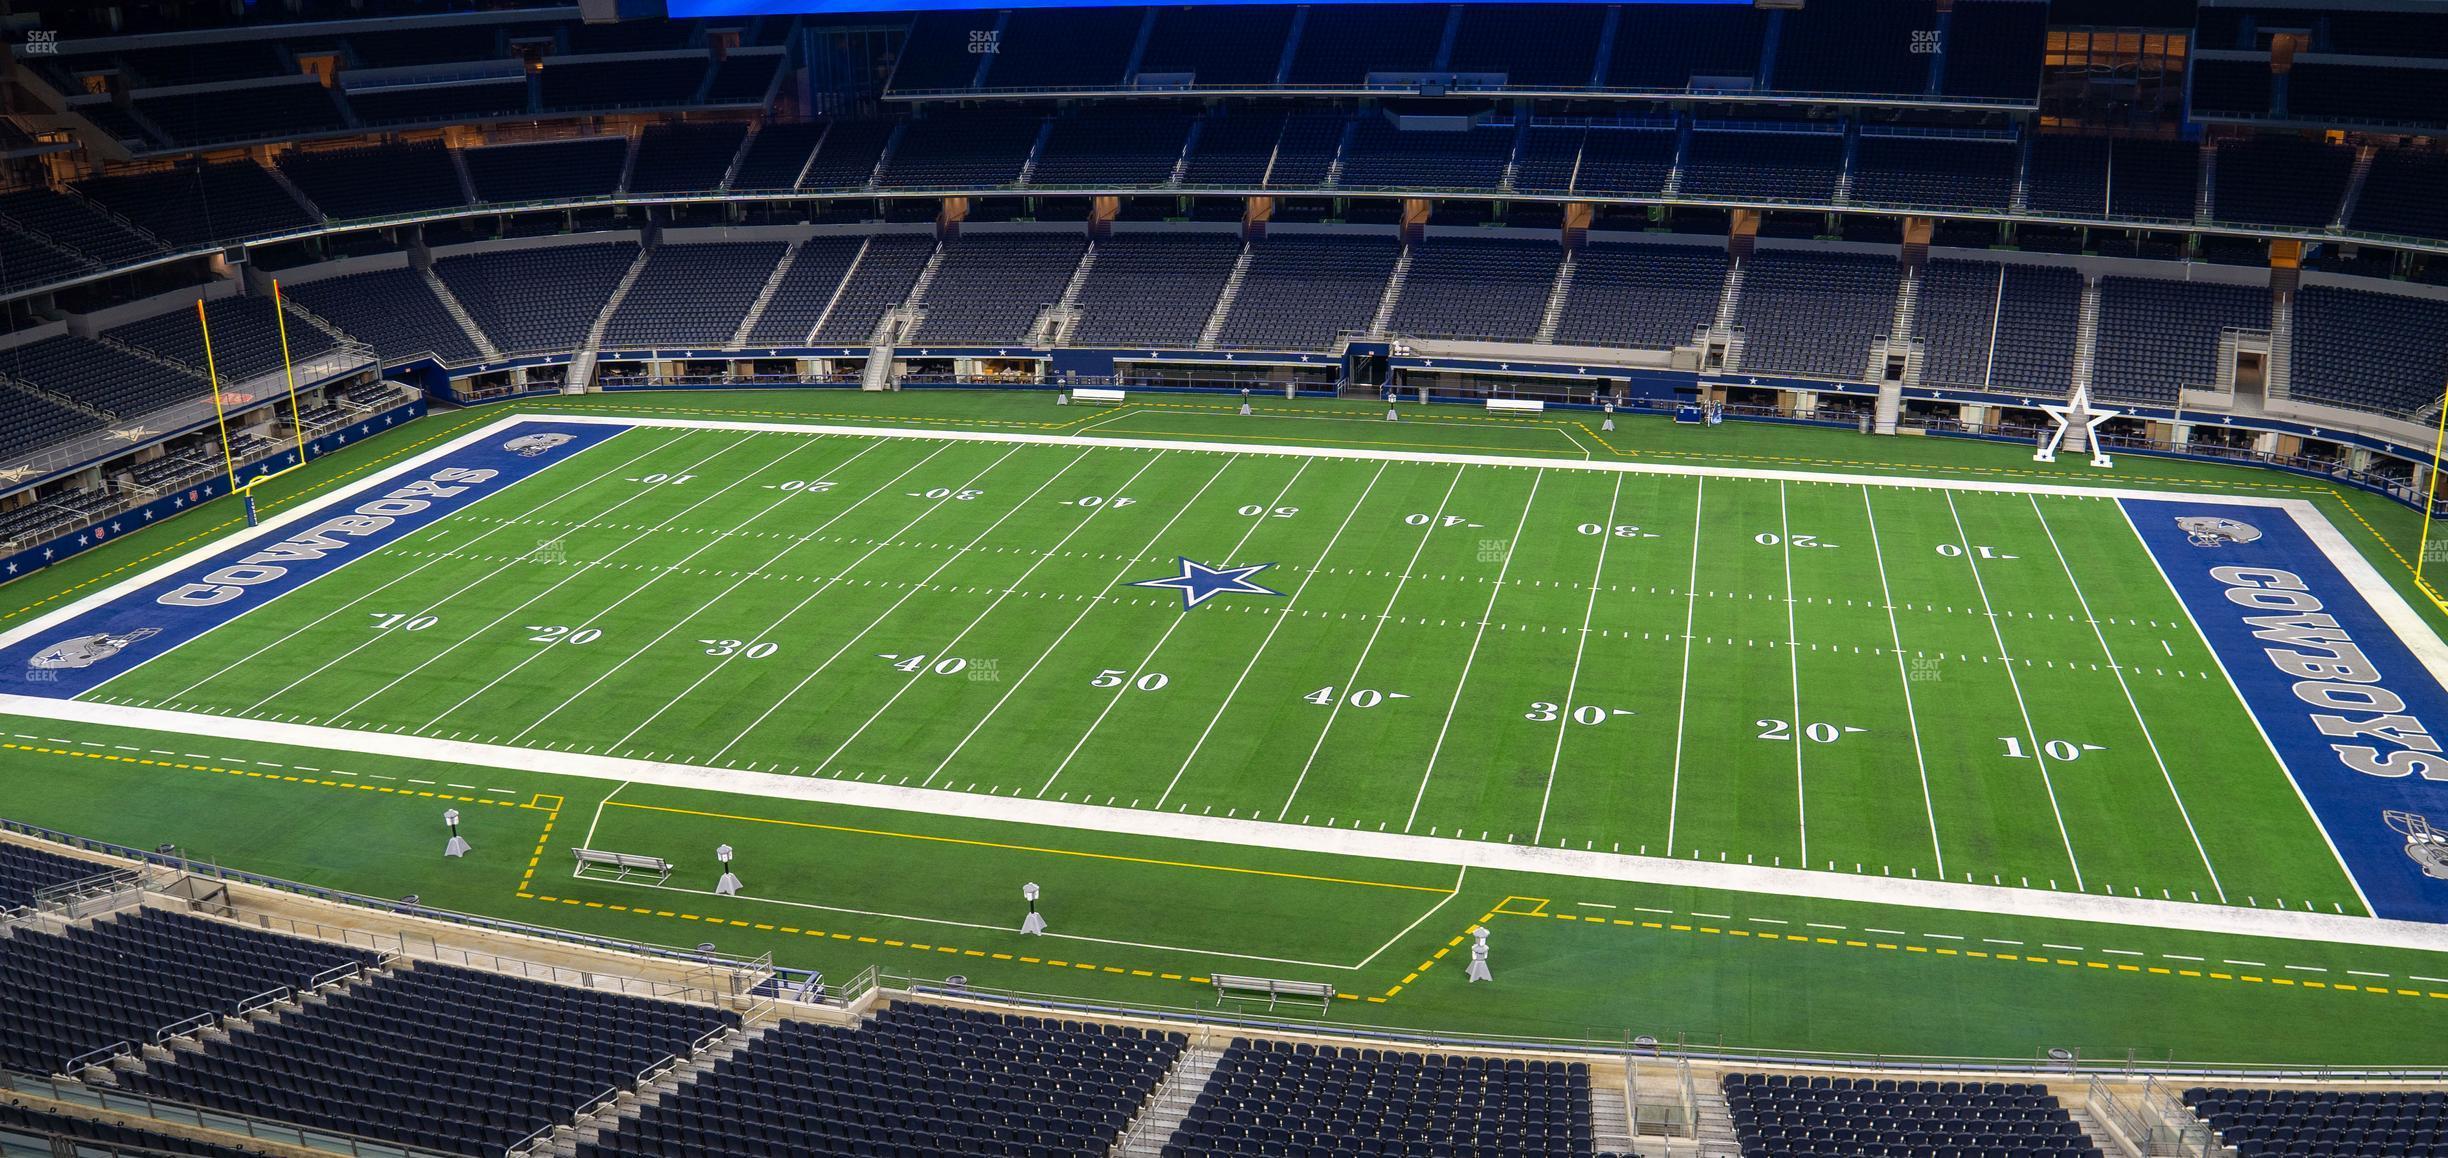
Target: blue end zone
{"type": "Point", "coordinates": [2349, 709]}
{"type": "Point", "coordinates": [71, 658]}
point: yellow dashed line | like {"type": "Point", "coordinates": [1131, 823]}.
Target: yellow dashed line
{"type": "Point", "coordinates": [1942, 951]}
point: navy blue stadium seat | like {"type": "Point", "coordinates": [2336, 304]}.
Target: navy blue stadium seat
{"type": "Point", "coordinates": [2369, 351]}
{"type": "Point", "coordinates": [436, 1056]}
{"type": "Point", "coordinates": [2157, 337]}
{"type": "Point", "coordinates": [1815, 313]}
{"type": "Point", "coordinates": [915, 1079]}
{"type": "Point", "coordinates": [692, 296]}
{"type": "Point", "coordinates": [1646, 296]}
{"type": "Point", "coordinates": [2401, 195]}
{"type": "Point", "coordinates": [2259, 1122]}
{"type": "Point", "coordinates": [27, 871]}
{"type": "Point", "coordinates": [1154, 289]}
{"type": "Point", "coordinates": [246, 342]}
{"type": "Point", "coordinates": [393, 311]}
{"type": "Point", "coordinates": [1302, 290]}
{"type": "Point", "coordinates": [1777, 1117]}
{"type": "Point", "coordinates": [126, 977]}
{"type": "Point", "coordinates": [537, 300]}
{"type": "Point", "coordinates": [685, 157]}
{"type": "Point", "coordinates": [191, 204]}
{"type": "Point", "coordinates": [382, 181]}
{"type": "Point", "coordinates": [1287, 1100]}
{"type": "Point", "coordinates": [886, 269]}
{"type": "Point", "coordinates": [1470, 288]}
{"type": "Point", "coordinates": [1998, 327]}
{"type": "Point", "coordinates": [991, 287]}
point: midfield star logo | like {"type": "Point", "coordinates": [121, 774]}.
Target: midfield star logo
{"type": "Point", "coordinates": [1199, 582]}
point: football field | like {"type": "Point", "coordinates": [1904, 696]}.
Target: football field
{"type": "Point", "coordinates": [1898, 681]}
{"type": "Point", "coordinates": [1311, 714]}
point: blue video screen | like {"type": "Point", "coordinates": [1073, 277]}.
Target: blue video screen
{"type": "Point", "coordinates": [686, 9]}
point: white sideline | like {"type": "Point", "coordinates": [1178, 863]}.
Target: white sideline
{"type": "Point", "coordinates": [2015, 902]}
{"type": "Point", "coordinates": [2391, 606]}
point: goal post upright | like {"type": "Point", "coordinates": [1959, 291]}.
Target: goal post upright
{"type": "Point", "coordinates": [212, 379]}
{"type": "Point", "coordinates": [2422, 548]}
{"type": "Point", "coordinates": [280, 322]}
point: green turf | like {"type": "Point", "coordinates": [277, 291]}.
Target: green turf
{"type": "Point", "coordinates": [1423, 672]}
{"type": "Point", "coordinates": [1004, 583]}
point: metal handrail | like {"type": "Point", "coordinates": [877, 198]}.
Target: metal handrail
{"type": "Point", "coordinates": [528, 1144]}
{"type": "Point", "coordinates": [2101, 1101]}
{"type": "Point", "coordinates": [339, 972]}
{"type": "Point", "coordinates": [194, 1023]}
{"type": "Point", "coordinates": [1457, 81]}
{"type": "Point", "coordinates": [656, 1069]}
{"type": "Point", "coordinates": [94, 1057]}
{"type": "Point", "coordinates": [180, 1113]}
{"type": "Point", "coordinates": [1694, 1051]}
{"type": "Point", "coordinates": [268, 997]}
{"type": "Point", "coordinates": [491, 208]}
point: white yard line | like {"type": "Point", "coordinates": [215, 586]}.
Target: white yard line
{"type": "Point", "coordinates": [1290, 605]}
{"type": "Point", "coordinates": [1336, 709]}
{"type": "Point", "coordinates": [830, 582]}
{"type": "Point", "coordinates": [623, 601]}
{"type": "Point", "coordinates": [1572, 684]}
{"type": "Point", "coordinates": [1971, 559]}
{"type": "Point", "coordinates": [588, 841]}
{"type": "Point", "coordinates": [1422, 919]}
{"type": "Point", "coordinates": [1147, 660]}
{"type": "Point", "coordinates": [1102, 595]}
{"type": "Point", "coordinates": [411, 573]}
{"type": "Point", "coordinates": [1691, 607]}
{"type": "Point", "coordinates": [2359, 571]}
{"type": "Point", "coordinates": [906, 596]}
{"type": "Point", "coordinates": [1485, 615]}
{"type": "Point", "coordinates": [1793, 661]}
{"type": "Point", "coordinates": [596, 616]}
{"type": "Point", "coordinates": [736, 584]}
{"type": "Point", "coordinates": [1566, 431]}
{"type": "Point", "coordinates": [1912, 721]}
{"type": "Point", "coordinates": [1119, 414]}
{"type": "Point", "coordinates": [438, 604]}
{"type": "Point", "coordinates": [1006, 593]}
{"type": "Point", "coordinates": [1244, 448]}
{"type": "Point", "coordinates": [2141, 913]}
{"type": "Point", "coordinates": [1250, 833]}
{"type": "Point", "coordinates": [2119, 671]}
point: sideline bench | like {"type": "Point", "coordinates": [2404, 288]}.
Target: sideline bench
{"type": "Point", "coordinates": [1095, 394]}
{"type": "Point", "coordinates": [1515, 406]}
{"type": "Point", "coordinates": [619, 865]}
{"type": "Point", "coordinates": [1235, 987]}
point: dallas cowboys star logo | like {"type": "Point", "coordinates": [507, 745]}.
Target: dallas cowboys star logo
{"type": "Point", "coordinates": [1199, 582]}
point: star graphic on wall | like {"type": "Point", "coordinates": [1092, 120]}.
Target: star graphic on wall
{"type": "Point", "coordinates": [1199, 582]}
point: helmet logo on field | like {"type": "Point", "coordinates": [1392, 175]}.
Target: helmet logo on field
{"type": "Point", "coordinates": [87, 650]}
{"type": "Point", "coordinates": [2426, 846]}
{"type": "Point", "coordinates": [2214, 531]}
{"type": "Point", "coordinates": [532, 445]}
